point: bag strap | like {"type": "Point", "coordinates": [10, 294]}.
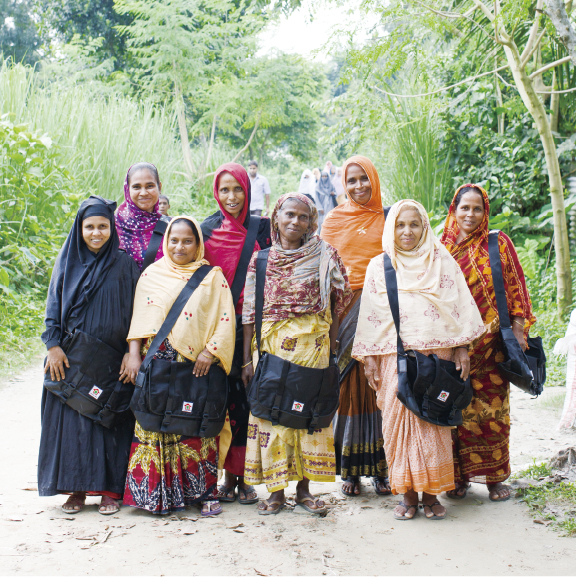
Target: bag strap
{"type": "Point", "coordinates": [171, 318]}
{"type": "Point", "coordinates": [498, 279]}
{"type": "Point", "coordinates": [155, 241]}
{"type": "Point", "coordinates": [245, 256]}
{"type": "Point", "coordinates": [324, 389]}
{"type": "Point", "coordinates": [386, 211]}
{"type": "Point", "coordinates": [392, 288]}
{"type": "Point", "coordinates": [261, 265]}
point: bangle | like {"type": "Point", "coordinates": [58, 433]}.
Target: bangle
{"type": "Point", "coordinates": [248, 363]}
{"type": "Point", "coordinates": [518, 322]}
{"type": "Point", "coordinates": [207, 357]}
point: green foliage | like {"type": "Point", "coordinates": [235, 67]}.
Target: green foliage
{"type": "Point", "coordinates": [19, 39]}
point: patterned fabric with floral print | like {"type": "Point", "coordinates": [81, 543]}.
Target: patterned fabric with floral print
{"type": "Point", "coordinates": [481, 443]}
{"type": "Point", "coordinates": [169, 472]}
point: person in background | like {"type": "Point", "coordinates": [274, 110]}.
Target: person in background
{"type": "Point", "coordinates": [307, 185]}
{"type": "Point", "coordinates": [137, 216]}
{"type": "Point", "coordinates": [169, 472]}
{"type": "Point", "coordinates": [163, 205]}
{"type": "Point", "coordinates": [355, 230]}
{"type": "Point", "coordinates": [338, 186]}
{"type": "Point", "coordinates": [482, 443]}
{"type": "Point", "coordinates": [437, 316]}
{"type": "Point", "coordinates": [306, 290]}
{"type": "Point", "coordinates": [224, 235]}
{"type": "Point", "coordinates": [91, 290]}
{"type": "Point", "coordinates": [260, 190]}
{"type": "Point", "coordinates": [325, 197]}
{"type": "Point", "coordinates": [566, 347]}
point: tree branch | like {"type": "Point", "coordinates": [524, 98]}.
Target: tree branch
{"type": "Point", "coordinates": [549, 66]}
{"type": "Point", "coordinates": [557, 11]}
{"type": "Point", "coordinates": [249, 140]}
{"type": "Point", "coordinates": [485, 10]}
{"type": "Point", "coordinates": [441, 89]}
{"type": "Point", "coordinates": [533, 49]}
{"type": "Point", "coordinates": [533, 33]}
{"type": "Point", "coordinates": [455, 15]}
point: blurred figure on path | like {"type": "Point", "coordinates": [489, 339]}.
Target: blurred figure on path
{"type": "Point", "coordinates": [325, 197]}
{"type": "Point", "coordinates": [260, 190]}
{"type": "Point", "coordinates": [567, 346]}
{"type": "Point", "coordinates": [307, 185]}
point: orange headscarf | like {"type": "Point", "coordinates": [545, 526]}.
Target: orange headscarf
{"type": "Point", "coordinates": [355, 230]}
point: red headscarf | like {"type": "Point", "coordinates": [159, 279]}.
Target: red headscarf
{"type": "Point", "coordinates": [224, 246]}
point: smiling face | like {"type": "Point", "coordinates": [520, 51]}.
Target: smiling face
{"type": "Point", "coordinates": [293, 222]}
{"type": "Point", "coordinates": [409, 229]}
{"type": "Point", "coordinates": [182, 243]}
{"type": "Point", "coordinates": [163, 206]}
{"type": "Point", "coordinates": [144, 189]}
{"type": "Point", "coordinates": [358, 184]}
{"type": "Point", "coordinates": [469, 212]}
{"type": "Point", "coordinates": [96, 232]}
{"type": "Point", "coordinates": [231, 194]}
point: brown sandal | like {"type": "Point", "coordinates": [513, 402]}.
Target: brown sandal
{"type": "Point", "coordinates": [74, 500]}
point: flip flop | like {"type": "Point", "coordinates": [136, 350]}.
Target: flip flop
{"type": "Point", "coordinates": [109, 512]}
{"type": "Point", "coordinates": [403, 516]}
{"type": "Point", "coordinates": [455, 495]}
{"type": "Point", "coordinates": [352, 480]}
{"type": "Point", "coordinates": [321, 512]}
{"type": "Point", "coordinates": [272, 511]}
{"type": "Point", "coordinates": [498, 498]}
{"type": "Point", "coordinates": [211, 512]}
{"type": "Point", "coordinates": [375, 481]}
{"type": "Point", "coordinates": [245, 500]}
{"type": "Point", "coordinates": [434, 516]}
{"type": "Point", "coordinates": [226, 491]}
{"type": "Point", "coordinates": [74, 500]}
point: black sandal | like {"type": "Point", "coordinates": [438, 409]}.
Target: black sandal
{"type": "Point", "coordinates": [453, 493]}
{"type": "Point", "coordinates": [355, 481]}
{"type": "Point", "coordinates": [385, 481]}
{"type": "Point", "coordinates": [242, 498]}
{"type": "Point", "coordinates": [225, 491]}
{"type": "Point", "coordinates": [403, 516]}
{"type": "Point", "coordinates": [434, 517]}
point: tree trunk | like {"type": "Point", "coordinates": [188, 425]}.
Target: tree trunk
{"type": "Point", "coordinates": [183, 128]}
{"type": "Point", "coordinates": [554, 105]}
{"type": "Point", "coordinates": [500, 103]}
{"type": "Point", "coordinates": [556, 11]}
{"type": "Point", "coordinates": [561, 244]}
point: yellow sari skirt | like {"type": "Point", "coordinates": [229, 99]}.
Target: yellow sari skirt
{"type": "Point", "coordinates": [276, 455]}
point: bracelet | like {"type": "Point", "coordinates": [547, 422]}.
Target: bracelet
{"type": "Point", "coordinates": [248, 363]}
{"type": "Point", "coordinates": [521, 323]}
{"type": "Point", "coordinates": [207, 358]}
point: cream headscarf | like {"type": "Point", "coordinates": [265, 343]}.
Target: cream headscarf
{"type": "Point", "coordinates": [208, 318]}
{"type": "Point", "coordinates": [436, 307]}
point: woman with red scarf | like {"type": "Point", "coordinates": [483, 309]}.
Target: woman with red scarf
{"type": "Point", "coordinates": [224, 236]}
{"type": "Point", "coordinates": [481, 443]}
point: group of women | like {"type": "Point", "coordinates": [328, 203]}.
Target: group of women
{"type": "Point", "coordinates": [313, 284]}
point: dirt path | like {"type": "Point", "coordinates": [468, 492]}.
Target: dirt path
{"type": "Point", "coordinates": [358, 537]}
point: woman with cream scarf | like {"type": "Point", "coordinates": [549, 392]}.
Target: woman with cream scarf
{"type": "Point", "coordinates": [437, 316]}
{"type": "Point", "coordinates": [169, 472]}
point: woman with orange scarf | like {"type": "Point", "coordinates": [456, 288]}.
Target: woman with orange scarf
{"type": "Point", "coordinates": [481, 443]}
{"type": "Point", "coordinates": [355, 230]}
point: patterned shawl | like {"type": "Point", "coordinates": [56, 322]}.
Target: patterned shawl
{"type": "Point", "coordinates": [208, 318]}
{"type": "Point", "coordinates": [355, 230]}
{"type": "Point", "coordinates": [436, 308]}
{"type": "Point", "coordinates": [135, 226]}
{"type": "Point", "coordinates": [300, 281]}
{"type": "Point", "coordinates": [472, 256]}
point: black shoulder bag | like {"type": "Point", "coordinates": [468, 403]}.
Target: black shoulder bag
{"type": "Point", "coordinates": [155, 241]}
{"type": "Point", "coordinates": [285, 393]}
{"type": "Point", "coordinates": [91, 384]}
{"type": "Point", "coordinates": [245, 256]}
{"type": "Point", "coordinates": [347, 332]}
{"type": "Point", "coordinates": [168, 397]}
{"type": "Point", "coordinates": [525, 369]}
{"type": "Point", "coordinates": [428, 386]}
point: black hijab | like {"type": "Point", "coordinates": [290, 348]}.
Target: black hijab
{"type": "Point", "coordinates": [79, 271]}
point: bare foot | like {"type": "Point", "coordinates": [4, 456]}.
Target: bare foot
{"type": "Point", "coordinates": [75, 503]}
{"type": "Point", "coordinates": [498, 491]}
{"type": "Point", "coordinates": [459, 492]}
{"type": "Point", "coordinates": [381, 486]}
{"type": "Point", "coordinates": [350, 486]}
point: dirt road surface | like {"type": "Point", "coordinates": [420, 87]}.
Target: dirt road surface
{"type": "Point", "coordinates": [358, 537]}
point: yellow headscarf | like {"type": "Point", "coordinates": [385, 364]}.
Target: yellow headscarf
{"type": "Point", "coordinates": [208, 318]}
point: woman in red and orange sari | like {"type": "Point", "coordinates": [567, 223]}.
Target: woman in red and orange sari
{"type": "Point", "coordinates": [481, 443]}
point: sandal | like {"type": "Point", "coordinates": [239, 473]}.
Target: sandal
{"type": "Point", "coordinates": [497, 499]}
{"type": "Point", "coordinates": [453, 494]}
{"type": "Point", "coordinates": [385, 481]}
{"type": "Point", "coordinates": [434, 516]}
{"type": "Point", "coordinates": [74, 500]}
{"type": "Point", "coordinates": [211, 512]}
{"type": "Point", "coordinates": [243, 497]}
{"type": "Point", "coordinates": [355, 482]}
{"type": "Point", "coordinates": [271, 511]}
{"type": "Point", "coordinates": [108, 501]}
{"type": "Point", "coordinates": [319, 511]}
{"type": "Point", "coordinates": [224, 494]}
{"type": "Point", "coordinates": [403, 516]}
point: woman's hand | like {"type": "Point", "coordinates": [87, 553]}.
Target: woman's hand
{"type": "Point", "coordinates": [203, 363]}
{"type": "Point", "coordinates": [462, 361]}
{"type": "Point", "coordinates": [247, 372]}
{"type": "Point", "coordinates": [55, 361]}
{"type": "Point", "coordinates": [124, 375]}
{"type": "Point", "coordinates": [518, 330]}
{"type": "Point", "coordinates": [371, 372]}
{"type": "Point", "coordinates": [133, 361]}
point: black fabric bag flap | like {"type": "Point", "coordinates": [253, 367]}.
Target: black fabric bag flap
{"type": "Point", "coordinates": [155, 241]}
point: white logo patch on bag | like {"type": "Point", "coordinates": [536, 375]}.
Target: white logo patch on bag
{"type": "Point", "coordinates": [443, 396]}
{"type": "Point", "coordinates": [296, 406]}
{"type": "Point", "coordinates": [95, 392]}
{"type": "Point", "coordinates": [187, 407]}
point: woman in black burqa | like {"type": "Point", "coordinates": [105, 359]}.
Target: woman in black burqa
{"type": "Point", "coordinates": [92, 290]}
